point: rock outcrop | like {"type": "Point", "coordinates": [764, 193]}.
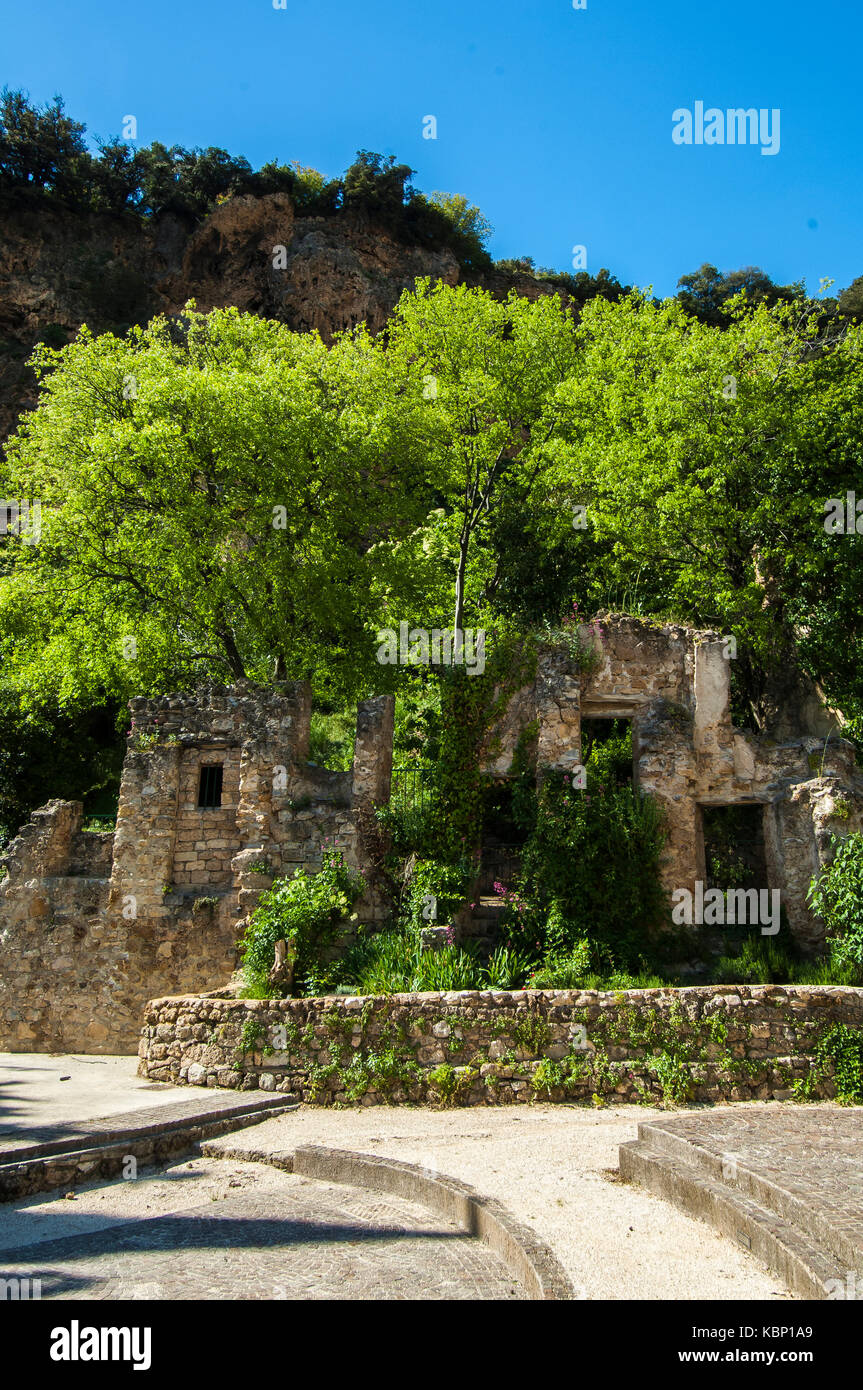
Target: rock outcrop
{"type": "Point", "coordinates": [59, 269]}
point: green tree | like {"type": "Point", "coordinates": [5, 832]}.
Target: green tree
{"type": "Point", "coordinates": [851, 299]}
{"type": "Point", "coordinates": [216, 498]}
{"type": "Point", "coordinates": [478, 379]}
{"type": "Point", "coordinates": [707, 292]}
{"type": "Point", "coordinates": [41, 147]}
{"type": "Point", "coordinates": [706, 458]}
{"type": "Point", "coordinates": [464, 216]}
{"type": "Point", "coordinates": [376, 185]}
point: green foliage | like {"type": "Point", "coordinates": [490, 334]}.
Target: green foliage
{"type": "Point", "coordinates": [47, 751]}
{"type": "Point", "coordinates": [375, 184]}
{"type": "Point", "coordinates": [379, 1069]}
{"type": "Point", "coordinates": [410, 827]}
{"type": "Point", "coordinates": [838, 1056]}
{"type": "Point", "coordinates": [307, 911]}
{"type": "Point", "coordinates": [444, 1079]}
{"type": "Point", "coordinates": [331, 743]}
{"type": "Point", "coordinates": [470, 706]}
{"type": "Point", "coordinates": [566, 970]}
{"type": "Point", "coordinates": [40, 148]}
{"type": "Point", "coordinates": [760, 960]}
{"type": "Point", "coordinates": [532, 1033]}
{"type": "Point", "coordinates": [393, 962]}
{"type": "Point", "coordinates": [437, 891]}
{"type": "Point", "coordinates": [697, 450]}
{"type": "Point", "coordinates": [507, 968]}
{"type": "Point", "coordinates": [837, 895]}
{"type": "Point", "coordinates": [549, 1076]}
{"type": "Point", "coordinates": [584, 648]}
{"type": "Point", "coordinates": [590, 870]}
{"type": "Point", "coordinates": [161, 524]}
{"type": "Point", "coordinates": [707, 293]}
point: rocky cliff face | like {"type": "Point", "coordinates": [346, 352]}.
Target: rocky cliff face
{"type": "Point", "coordinates": [59, 269]}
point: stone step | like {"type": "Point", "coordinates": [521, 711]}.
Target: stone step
{"type": "Point", "coordinates": [824, 1229]}
{"type": "Point", "coordinates": [807, 1267]}
{"type": "Point", "coordinates": [100, 1148]}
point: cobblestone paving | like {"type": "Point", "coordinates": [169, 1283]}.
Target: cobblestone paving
{"type": "Point", "coordinates": [249, 1233]}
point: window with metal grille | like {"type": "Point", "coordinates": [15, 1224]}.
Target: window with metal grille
{"type": "Point", "coordinates": [210, 788]}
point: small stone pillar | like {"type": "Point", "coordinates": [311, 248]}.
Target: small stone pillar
{"type": "Point", "coordinates": [146, 829]}
{"type": "Point", "coordinates": [712, 695]}
{"type": "Point", "coordinates": [665, 767]}
{"type": "Point", "coordinates": [373, 750]}
{"type": "Point", "coordinates": [558, 713]}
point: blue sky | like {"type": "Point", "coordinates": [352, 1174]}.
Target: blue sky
{"type": "Point", "coordinates": [556, 122]}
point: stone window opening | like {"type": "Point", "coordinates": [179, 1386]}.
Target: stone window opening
{"type": "Point", "coordinates": [210, 787]}
{"type": "Point", "coordinates": [734, 847]}
{"type": "Point", "coordinates": [599, 729]}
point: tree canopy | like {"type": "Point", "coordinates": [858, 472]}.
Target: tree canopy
{"type": "Point", "coordinates": [224, 497]}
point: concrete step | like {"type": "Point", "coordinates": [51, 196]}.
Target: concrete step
{"type": "Point", "coordinates": [807, 1267]}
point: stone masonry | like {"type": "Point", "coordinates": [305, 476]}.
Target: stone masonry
{"type": "Point", "coordinates": [728, 1042]}
{"type": "Point", "coordinates": [674, 683]}
{"type": "Point", "coordinates": [92, 924]}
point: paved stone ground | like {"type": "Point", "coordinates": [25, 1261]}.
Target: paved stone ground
{"type": "Point", "coordinates": [210, 1229]}
{"type": "Point", "coordinates": [45, 1097]}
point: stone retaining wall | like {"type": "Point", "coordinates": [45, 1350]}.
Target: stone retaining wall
{"type": "Point", "coordinates": [705, 1043]}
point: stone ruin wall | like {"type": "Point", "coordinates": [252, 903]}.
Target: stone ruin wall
{"type": "Point", "coordinates": [674, 683]}
{"type": "Point", "coordinates": [91, 925]}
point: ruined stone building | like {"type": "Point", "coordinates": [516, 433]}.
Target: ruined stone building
{"type": "Point", "coordinates": [674, 684]}
{"type": "Point", "coordinates": [218, 797]}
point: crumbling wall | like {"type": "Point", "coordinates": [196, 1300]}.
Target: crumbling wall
{"type": "Point", "coordinates": [91, 926]}
{"type": "Point", "coordinates": [674, 683]}
{"type": "Point", "coordinates": [56, 957]}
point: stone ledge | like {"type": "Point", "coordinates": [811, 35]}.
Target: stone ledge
{"type": "Point", "coordinates": [803, 1267]}
{"type": "Point", "coordinates": [530, 1261]}
{"type": "Point", "coordinates": [100, 1147]}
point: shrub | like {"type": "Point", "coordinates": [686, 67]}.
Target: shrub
{"type": "Point", "coordinates": [393, 962]}
{"type": "Point", "coordinates": [843, 1046]}
{"type": "Point", "coordinates": [437, 891]}
{"type": "Point", "coordinates": [838, 1054]}
{"type": "Point", "coordinates": [590, 870]}
{"type": "Point", "coordinates": [507, 968]}
{"type": "Point", "coordinates": [308, 912]}
{"type": "Point", "coordinates": [837, 895]}
{"type": "Point", "coordinates": [566, 970]}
